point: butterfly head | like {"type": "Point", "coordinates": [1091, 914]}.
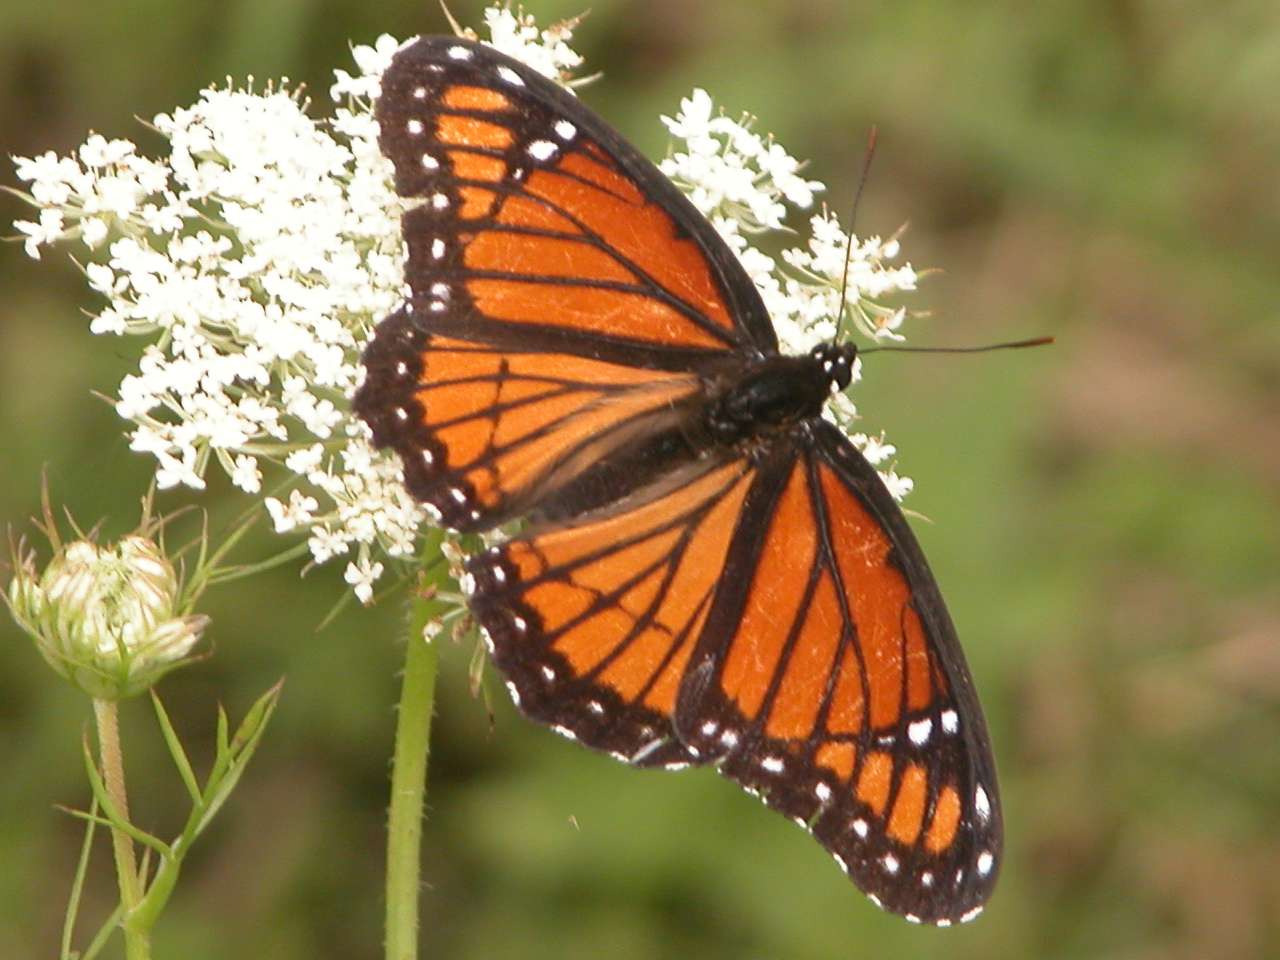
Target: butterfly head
{"type": "Point", "coordinates": [837, 362]}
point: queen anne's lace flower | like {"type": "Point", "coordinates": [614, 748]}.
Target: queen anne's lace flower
{"type": "Point", "coordinates": [258, 254]}
{"type": "Point", "coordinates": [517, 35]}
{"type": "Point", "coordinates": [109, 619]}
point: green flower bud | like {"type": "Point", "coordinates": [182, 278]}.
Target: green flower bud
{"type": "Point", "coordinates": [106, 618]}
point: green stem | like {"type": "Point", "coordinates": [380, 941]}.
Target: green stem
{"type": "Point", "coordinates": [137, 942]}
{"type": "Point", "coordinates": [409, 778]}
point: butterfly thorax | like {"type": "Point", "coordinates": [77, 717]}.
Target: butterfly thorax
{"type": "Point", "coordinates": [777, 392]}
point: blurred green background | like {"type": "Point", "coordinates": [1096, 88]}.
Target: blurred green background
{"type": "Point", "coordinates": [1106, 524]}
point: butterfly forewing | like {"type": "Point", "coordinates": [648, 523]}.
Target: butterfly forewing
{"type": "Point", "coordinates": [484, 432]}
{"type": "Point", "coordinates": [537, 223]}
{"type": "Point", "coordinates": [563, 295]}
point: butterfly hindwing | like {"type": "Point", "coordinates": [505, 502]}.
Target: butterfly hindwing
{"type": "Point", "coordinates": [592, 623]}
{"type": "Point", "coordinates": [828, 681]}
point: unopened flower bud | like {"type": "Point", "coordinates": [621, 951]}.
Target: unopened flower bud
{"type": "Point", "coordinates": [106, 618]}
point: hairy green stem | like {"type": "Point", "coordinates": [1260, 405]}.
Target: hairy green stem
{"type": "Point", "coordinates": [409, 777]}
{"type": "Point", "coordinates": [137, 942]}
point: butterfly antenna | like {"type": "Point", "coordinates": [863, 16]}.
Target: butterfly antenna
{"type": "Point", "coordinates": [853, 216]}
{"type": "Point", "coordinates": [1010, 345]}
{"type": "Point", "coordinates": [458, 29]}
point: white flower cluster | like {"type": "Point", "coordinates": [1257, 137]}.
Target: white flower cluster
{"type": "Point", "coordinates": [258, 254]}
{"type": "Point", "coordinates": [743, 183]}
{"type": "Point", "coordinates": [517, 35]}
{"type": "Point", "coordinates": [256, 258]}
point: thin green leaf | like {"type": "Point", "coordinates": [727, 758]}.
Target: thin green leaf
{"type": "Point", "coordinates": [240, 752]}
{"type": "Point", "coordinates": [109, 926]}
{"type": "Point", "coordinates": [257, 717]}
{"type": "Point", "coordinates": [223, 738]}
{"type": "Point", "coordinates": [180, 759]}
{"type": "Point", "coordinates": [148, 840]}
{"type": "Point", "coordinates": [160, 890]}
{"type": "Point", "coordinates": [95, 782]}
{"type": "Point", "coordinates": [342, 603]}
{"type": "Point", "coordinates": [113, 818]}
{"type": "Point", "coordinates": [144, 867]}
{"type": "Point", "coordinates": [77, 884]}
{"type": "Point", "coordinates": [227, 574]}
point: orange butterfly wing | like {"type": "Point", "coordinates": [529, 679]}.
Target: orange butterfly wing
{"type": "Point", "coordinates": [828, 680]}
{"type": "Point", "coordinates": [563, 294]}
{"type": "Point", "coordinates": [594, 622]}
{"type": "Point", "coordinates": [485, 433]}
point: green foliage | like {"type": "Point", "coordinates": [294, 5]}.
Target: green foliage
{"type": "Point", "coordinates": [1103, 513]}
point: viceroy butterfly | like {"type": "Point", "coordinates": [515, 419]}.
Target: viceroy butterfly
{"type": "Point", "coordinates": [710, 573]}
